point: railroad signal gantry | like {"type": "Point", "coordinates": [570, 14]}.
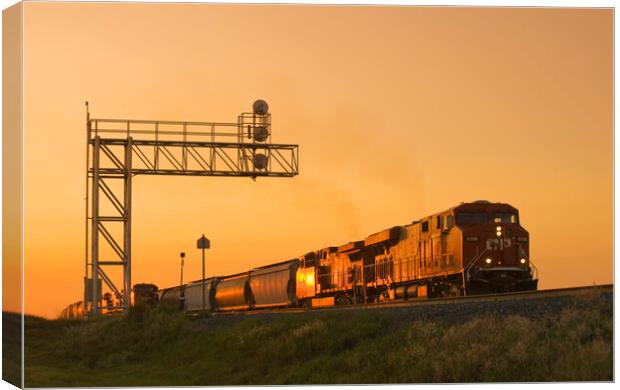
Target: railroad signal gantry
{"type": "Point", "coordinates": [118, 149]}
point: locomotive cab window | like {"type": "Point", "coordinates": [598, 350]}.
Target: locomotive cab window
{"type": "Point", "coordinates": [505, 218]}
{"type": "Point", "coordinates": [438, 220]}
{"type": "Point", "coordinates": [471, 218]}
{"type": "Point", "coordinates": [425, 226]}
{"type": "Point", "coordinates": [450, 221]}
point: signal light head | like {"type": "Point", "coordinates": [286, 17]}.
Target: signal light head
{"type": "Point", "coordinates": [260, 161]}
{"type": "Point", "coordinates": [260, 107]}
{"type": "Point", "coordinates": [260, 133]}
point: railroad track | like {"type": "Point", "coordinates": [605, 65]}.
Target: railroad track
{"type": "Point", "coordinates": [539, 294]}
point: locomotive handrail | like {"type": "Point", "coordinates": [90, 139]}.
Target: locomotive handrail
{"type": "Point", "coordinates": [473, 261]}
{"type": "Point", "coordinates": [534, 268]}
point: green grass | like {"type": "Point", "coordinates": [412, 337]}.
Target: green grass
{"type": "Point", "coordinates": [11, 348]}
{"type": "Point", "coordinates": [162, 347]}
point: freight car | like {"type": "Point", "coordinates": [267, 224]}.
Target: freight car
{"type": "Point", "coordinates": [145, 293]}
{"type": "Point", "coordinates": [73, 311]}
{"type": "Point", "coordinates": [77, 310]}
{"type": "Point", "coordinates": [192, 294]}
{"type": "Point", "coordinates": [268, 286]}
{"type": "Point", "coordinates": [473, 248]}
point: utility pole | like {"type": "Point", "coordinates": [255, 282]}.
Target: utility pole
{"type": "Point", "coordinates": [182, 263]}
{"type": "Point", "coordinates": [204, 244]}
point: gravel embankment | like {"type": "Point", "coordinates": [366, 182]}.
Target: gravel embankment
{"type": "Point", "coordinates": [450, 312]}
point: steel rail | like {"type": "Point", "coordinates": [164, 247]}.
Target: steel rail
{"type": "Point", "coordinates": [538, 294]}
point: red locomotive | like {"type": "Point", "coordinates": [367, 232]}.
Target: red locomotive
{"type": "Point", "coordinates": [473, 248]}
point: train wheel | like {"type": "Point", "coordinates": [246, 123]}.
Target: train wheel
{"type": "Point", "coordinates": [384, 297]}
{"type": "Point", "coordinates": [342, 300]}
{"type": "Point", "coordinates": [455, 291]}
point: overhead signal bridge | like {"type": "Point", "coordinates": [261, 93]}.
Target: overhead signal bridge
{"type": "Point", "coordinates": [118, 149]}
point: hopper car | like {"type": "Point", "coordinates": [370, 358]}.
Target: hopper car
{"type": "Point", "coordinates": [473, 248]}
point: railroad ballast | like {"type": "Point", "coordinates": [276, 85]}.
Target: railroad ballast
{"type": "Point", "coordinates": [473, 248]}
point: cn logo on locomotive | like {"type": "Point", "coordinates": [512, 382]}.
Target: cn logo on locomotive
{"type": "Point", "coordinates": [498, 243]}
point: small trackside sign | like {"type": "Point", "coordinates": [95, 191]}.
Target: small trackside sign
{"type": "Point", "coordinates": [203, 243]}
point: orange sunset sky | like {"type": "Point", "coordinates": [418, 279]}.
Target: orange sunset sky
{"type": "Point", "coordinates": [399, 112]}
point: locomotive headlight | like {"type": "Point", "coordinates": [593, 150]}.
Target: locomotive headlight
{"type": "Point", "coordinates": [488, 261]}
{"type": "Point", "coordinates": [523, 261]}
{"type": "Point", "coordinates": [499, 228]}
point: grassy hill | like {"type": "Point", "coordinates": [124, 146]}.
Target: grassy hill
{"type": "Point", "coordinates": [546, 340]}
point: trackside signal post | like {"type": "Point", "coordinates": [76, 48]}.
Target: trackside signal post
{"type": "Point", "coordinates": [182, 289]}
{"type": "Point", "coordinates": [119, 149]}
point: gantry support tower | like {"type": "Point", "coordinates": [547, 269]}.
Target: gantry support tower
{"type": "Point", "coordinates": [119, 149]}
